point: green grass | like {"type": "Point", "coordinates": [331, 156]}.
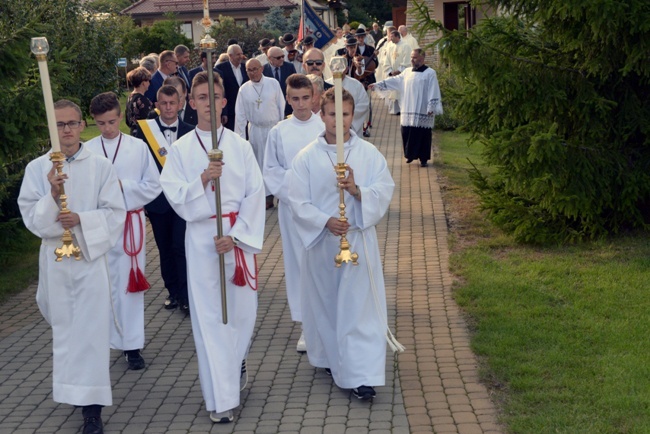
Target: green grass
{"type": "Point", "coordinates": [563, 333]}
{"type": "Point", "coordinates": [20, 263]}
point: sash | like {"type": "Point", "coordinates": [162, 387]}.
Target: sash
{"type": "Point", "coordinates": [154, 138]}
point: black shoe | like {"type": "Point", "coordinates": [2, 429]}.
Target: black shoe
{"type": "Point", "coordinates": [366, 133]}
{"type": "Point", "coordinates": [409, 160]}
{"type": "Point", "coordinates": [134, 359]}
{"type": "Point", "coordinates": [185, 307]}
{"type": "Point", "coordinates": [424, 164]}
{"type": "Point", "coordinates": [328, 371]}
{"type": "Point", "coordinates": [93, 425]}
{"type": "Point", "coordinates": [171, 303]}
{"type": "Point", "coordinates": [364, 393]}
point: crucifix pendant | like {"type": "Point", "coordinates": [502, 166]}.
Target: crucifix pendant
{"type": "Point", "coordinates": [259, 101]}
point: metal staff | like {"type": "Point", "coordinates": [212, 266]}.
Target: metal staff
{"type": "Point", "coordinates": [209, 45]}
{"type": "Point", "coordinates": [40, 48]}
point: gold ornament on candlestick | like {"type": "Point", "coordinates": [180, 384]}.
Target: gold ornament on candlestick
{"type": "Point", "coordinates": [209, 46]}
{"type": "Point", "coordinates": [338, 65]}
{"type": "Point", "coordinates": [40, 48]}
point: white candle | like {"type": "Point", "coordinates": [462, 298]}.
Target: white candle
{"type": "Point", "coordinates": [338, 106]}
{"type": "Point", "coordinates": [49, 105]}
{"type": "Point", "coordinates": [206, 9]}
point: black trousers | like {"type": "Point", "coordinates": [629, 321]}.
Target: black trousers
{"type": "Point", "coordinates": [169, 233]}
{"type": "Point", "coordinates": [417, 143]}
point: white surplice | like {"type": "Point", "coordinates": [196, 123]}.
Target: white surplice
{"type": "Point", "coordinates": [398, 58]}
{"type": "Point", "coordinates": [138, 175]}
{"type": "Point", "coordinates": [285, 140]}
{"type": "Point", "coordinates": [361, 101]}
{"type": "Point", "coordinates": [419, 95]}
{"type": "Point", "coordinates": [260, 106]}
{"type": "Point", "coordinates": [410, 41]}
{"type": "Point", "coordinates": [344, 309]}
{"type": "Point", "coordinates": [220, 347]}
{"type": "Point", "coordinates": [74, 296]}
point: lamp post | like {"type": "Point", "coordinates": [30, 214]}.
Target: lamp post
{"type": "Point", "coordinates": [338, 65]}
{"type": "Point", "coordinates": [40, 48]}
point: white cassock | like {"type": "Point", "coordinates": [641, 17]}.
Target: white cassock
{"type": "Point", "coordinates": [74, 296]}
{"type": "Point", "coordinates": [138, 175]}
{"type": "Point", "coordinates": [410, 41]}
{"type": "Point", "coordinates": [398, 58]}
{"type": "Point", "coordinates": [285, 140]}
{"type": "Point", "coordinates": [260, 106]}
{"type": "Point", "coordinates": [344, 310]}
{"type": "Point", "coordinates": [220, 347]}
{"type": "Point", "coordinates": [383, 45]}
{"type": "Point", "coordinates": [361, 102]}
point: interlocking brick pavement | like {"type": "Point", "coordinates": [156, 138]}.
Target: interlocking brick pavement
{"type": "Point", "coordinates": [432, 387]}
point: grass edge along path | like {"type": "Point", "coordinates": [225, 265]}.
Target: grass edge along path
{"type": "Point", "coordinates": [563, 333]}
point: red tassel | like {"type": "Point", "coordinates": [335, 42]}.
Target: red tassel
{"type": "Point", "coordinates": [143, 283]}
{"type": "Point", "coordinates": [238, 278]}
{"type": "Point", "coordinates": [132, 282]}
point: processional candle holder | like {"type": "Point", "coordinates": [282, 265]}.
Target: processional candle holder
{"type": "Point", "coordinates": [209, 46]}
{"type": "Point", "coordinates": [338, 65]}
{"type": "Point", "coordinates": [40, 48]}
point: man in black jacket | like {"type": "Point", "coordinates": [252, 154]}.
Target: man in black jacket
{"type": "Point", "coordinates": [233, 74]}
{"type": "Point", "coordinates": [280, 70]}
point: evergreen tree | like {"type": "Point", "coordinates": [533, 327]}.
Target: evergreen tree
{"type": "Point", "coordinates": [275, 20]}
{"type": "Point", "coordinates": [558, 93]}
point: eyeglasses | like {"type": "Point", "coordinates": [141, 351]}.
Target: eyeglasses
{"type": "Point", "coordinates": [314, 62]}
{"type": "Point", "coordinates": [277, 57]}
{"type": "Point", "coordinates": [73, 125]}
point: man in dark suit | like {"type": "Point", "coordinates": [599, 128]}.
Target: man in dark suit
{"type": "Point", "coordinates": [280, 70]}
{"type": "Point", "coordinates": [183, 57]}
{"type": "Point", "coordinates": [168, 228]}
{"type": "Point", "coordinates": [203, 67]}
{"type": "Point", "coordinates": [313, 62]}
{"type": "Point", "coordinates": [168, 64]}
{"type": "Point", "coordinates": [233, 74]}
{"type": "Point", "coordinates": [376, 33]}
{"type": "Point", "coordinates": [185, 111]}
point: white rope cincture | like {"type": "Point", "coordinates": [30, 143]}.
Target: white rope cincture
{"type": "Point", "coordinates": [390, 338]}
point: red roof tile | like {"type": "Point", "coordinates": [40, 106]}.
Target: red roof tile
{"type": "Point", "coordinates": [148, 7]}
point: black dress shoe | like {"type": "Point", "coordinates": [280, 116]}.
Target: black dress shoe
{"type": "Point", "coordinates": [134, 359]}
{"type": "Point", "coordinates": [409, 160]}
{"type": "Point", "coordinates": [93, 425]}
{"type": "Point", "coordinates": [366, 133]}
{"type": "Point", "coordinates": [171, 303]}
{"type": "Point", "coordinates": [424, 164]}
{"type": "Point", "coordinates": [185, 307]}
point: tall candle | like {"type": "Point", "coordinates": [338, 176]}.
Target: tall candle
{"type": "Point", "coordinates": [338, 106]}
{"type": "Point", "coordinates": [40, 48]}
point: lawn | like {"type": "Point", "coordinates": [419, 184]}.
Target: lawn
{"type": "Point", "coordinates": [563, 332]}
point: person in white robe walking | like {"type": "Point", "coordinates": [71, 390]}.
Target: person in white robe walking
{"type": "Point", "coordinates": [187, 183]}
{"type": "Point", "coordinates": [74, 296]}
{"type": "Point", "coordinates": [138, 177]}
{"type": "Point", "coordinates": [397, 60]}
{"type": "Point", "coordinates": [285, 140]}
{"type": "Point", "coordinates": [343, 309]}
{"type": "Point", "coordinates": [260, 106]}
{"type": "Point", "coordinates": [361, 101]}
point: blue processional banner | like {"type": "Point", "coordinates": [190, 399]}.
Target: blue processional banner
{"type": "Point", "coordinates": [311, 24]}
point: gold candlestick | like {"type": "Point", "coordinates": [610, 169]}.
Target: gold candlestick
{"type": "Point", "coordinates": [338, 65]}
{"type": "Point", "coordinates": [40, 48]}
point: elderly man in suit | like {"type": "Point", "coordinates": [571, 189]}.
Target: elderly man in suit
{"type": "Point", "coordinates": [280, 70]}
{"type": "Point", "coordinates": [168, 66]}
{"type": "Point", "coordinates": [233, 74]}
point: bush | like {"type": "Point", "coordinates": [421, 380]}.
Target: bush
{"type": "Point", "coordinates": [451, 91]}
{"type": "Point", "coordinates": [247, 37]}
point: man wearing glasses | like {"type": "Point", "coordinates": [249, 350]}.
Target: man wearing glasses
{"type": "Point", "coordinates": [168, 66]}
{"type": "Point", "coordinates": [74, 296]}
{"type": "Point", "coordinates": [280, 70]}
{"type": "Point", "coordinates": [313, 62]}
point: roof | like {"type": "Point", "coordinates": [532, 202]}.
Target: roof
{"type": "Point", "coordinates": [155, 7]}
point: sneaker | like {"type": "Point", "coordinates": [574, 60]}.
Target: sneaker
{"type": "Point", "coordinates": [243, 378]}
{"type": "Point", "coordinates": [185, 307]}
{"type": "Point", "coordinates": [171, 303]}
{"type": "Point", "coordinates": [364, 393]}
{"type": "Point", "coordinates": [134, 359]}
{"type": "Point", "coordinates": [223, 417]}
{"type": "Point", "coordinates": [366, 133]}
{"type": "Point", "coordinates": [328, 371]}
{"type": "Point", "coordinates": [301, 347]}
{"type": "Point", "coordinates": [93, 425]}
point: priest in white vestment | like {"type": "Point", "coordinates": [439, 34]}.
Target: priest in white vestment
{"type": "Point", "coordinates": [397, 60]}
{"type": "Point", "coordinates": [361, 101]}
{"type": "Point", "coordinates": [408, 38]}
{"type": "Point", "coordinates": [138, 177]}
{"type": "Point", "coordinates": [74, 296]}
{"type": "Point", "coordinates": [421, 102]}
{"type": "Point", "coordinates": [260, 106]}
{"type": "Point", "coordinates": [187, 183]}
{"type": "Point", "coordinates": [285, 140]}
{"type": "Point", "coordinates": [343, 309]}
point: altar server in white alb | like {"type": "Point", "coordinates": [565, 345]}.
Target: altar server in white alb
{"type": "Point", "coordinates": [74, 296]}
{"type": "Point", "coordinates": [343, 309]}
{"type": "Point", "coordinates": [260, 106]}
{"type": "Point", "coordinates": [138, 177]}
{"type": "Point", "coordinates": [420, 98]}
{"type": "Point", "coordinates": [361, 100]}
{"type": "Point", "coordinates": [396, 61]}
{"type": "Point", "coordinates": [285, 140]}
{"type": "Point", "coordinates": [187, 181]}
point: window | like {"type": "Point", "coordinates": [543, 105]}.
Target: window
{"type": "Point", "coordinates": [186, 29]}
{"type": "Point", "coordinates": [243, 22]}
